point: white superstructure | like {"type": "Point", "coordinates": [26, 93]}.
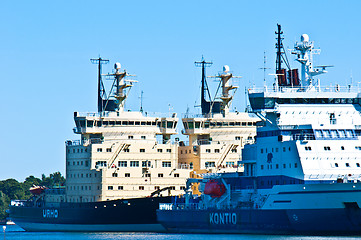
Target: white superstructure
{"type": "Point", "coordinates": [122, 154]}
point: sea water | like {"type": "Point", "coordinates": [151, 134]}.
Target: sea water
{"type": "Point", "coordinates": [14, 232]}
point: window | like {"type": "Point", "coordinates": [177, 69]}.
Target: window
{"type": "Point", "coordinates": [295, 165]}
{"type": "Point", "coordinates": [216, 150]}
{"type": "Point", "coordinates": [277, 166]}
{"type": "Point", "coordinates": [120, 187]}
{"type": "Point", "coordinates": [284, 165]}
{"type": "Point", "coordinates": [110, 187]}
{"type": "Point", "coordinates": [147, 175]}
{"type": "Point", "coordinates": [122, 164]}
{"type": "Point", "coordinates": [127, 175]}
{"type": "Point", "coordinates": [237, 138]}
{"type": "Point", "coordinates": [176, 175]}
{"type": "Point", "coordinates": [229, 164]}
{"type": "Point", "coordinates": [357, 164]}
{"type": "Point", "coordinates": [336, 164]}
{"type": "Point", "coordinates": [261, 150]}
{"type": "Point", "coordinates": [134, 164]}
{"type": "Point", "coordinates": [208, 150]}
{"type": "Point", "coordinates": [156, 187]}
{"type": "Point", "coordinates": [146, 163]}
{"type": "Point", "coordinates": [308, 148]}
{"type": "Point", "coordinates": [342, 148]}
{"type": "Point", "coordinates": [327, 148]}
{"type": "Point", "coordinates": [142, 150]}
{"type": "Point", "coordinates": [210, 164]}
{"type": "Point", "coordinates": [130, 137]}
{"type": "Point", "coordinates": [182, 187]}
{"type": "Point", "coordinates": [143, 137]}
{"type": "Point", "coordinates": [160, 150]}
{"type": "Point", "coordinates": [126, 150]}
{"type": "Point", "coordinates": [115, 174]}
{"type": "Point", "coordinates": [141, 187]}
{"type": "Point", "coordinates": [160, 174]}
{"type": "Point", "coordinates": [347, 165]}
{"type": "Point", "coordinates": [166, 164]}
{"type": "Point", "coordinates": [99, 150]}
{"type": "Point", "coordinates": [234, 150]}
{"type": "Point", "coordinates": [169, 150]}
{"type": "Point", "coordinates": [262, 167]}
{"type": "Point", "coordinates": [172, 187]}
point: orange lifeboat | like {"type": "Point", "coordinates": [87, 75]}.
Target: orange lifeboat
{"type": "Point", "coordinates": [214, 188]}
{"type": "Point", "coordinates": [37, 190]}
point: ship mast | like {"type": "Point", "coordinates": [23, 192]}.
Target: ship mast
{"type": "Point", "coordinates": [101, 89]}
{"type": "Point", "coordinates": [205, 90]}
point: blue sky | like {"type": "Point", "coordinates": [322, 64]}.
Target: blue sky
{"type": "Point", "coordinates": [46, 75]}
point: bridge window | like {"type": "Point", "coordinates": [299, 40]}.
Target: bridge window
{"type": "Point", "coordinates": [120, 187]}
{"type": "Point", "coordinates": [216, 150]}
{"type": "Point", "coordinates": [160, 175]}
{"type": "Point", "coordinates": [166, 164]}
{"type": "Point", "coordinates": [122, 164]}
{"type": "Point", "coordinates": [127, 175]}
{"type": "Point", "coordinates": [89, 123]}
{"type": "Point", "coordinates": [134, 163]}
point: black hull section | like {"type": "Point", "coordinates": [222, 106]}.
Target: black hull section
{"type": "Point", "coordinates": [137, 214]}
{"type": "Point", "coordinates": [257, 221]}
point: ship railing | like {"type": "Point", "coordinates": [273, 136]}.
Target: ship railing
{"type": "Point", "coordinates": [72, 142]}
{"type": "Point", "coordinates": [336, 88]}
{"type": "Point", "coordinates": [178, 206]}
{"type": "Point", "coordinates": [197, 115]}
{"type": "Point", "coordinates": [18, 203]}
{"type": "Point", "coordinates": [111, 114]}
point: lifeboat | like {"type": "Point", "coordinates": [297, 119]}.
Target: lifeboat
{"type": "Point", "coordinates": [214, 188]}
{"type": "Point", "coordinates": [37, 190]}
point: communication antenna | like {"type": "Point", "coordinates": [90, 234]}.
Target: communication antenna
{"type": "Point", "coordinates": [264, 68]}
{"type": "Point", "coordinates": [101, 89]}
{"type": "Point", "coordinates": [205, 89]}
{"type": "Point", "coordinates": [141, 101]}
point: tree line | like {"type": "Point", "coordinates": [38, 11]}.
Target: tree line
{"type": "Point", "coordinates": [11, 189]}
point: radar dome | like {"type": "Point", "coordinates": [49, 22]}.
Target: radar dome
{"type": "Point", "coordinates": [117, 66]}
{"type": "Point", "coordinates": [225, 68]}
{"type": "Point", "coordinates": [305, 38]}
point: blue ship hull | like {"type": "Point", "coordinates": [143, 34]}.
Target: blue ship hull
{"type": "Point", "coordinates": [259, 221]}
{"type": "Point", "coordinates": [138, 214]}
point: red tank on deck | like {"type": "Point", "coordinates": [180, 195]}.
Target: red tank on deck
{"type": "Point", "coordinates": [214, 188]}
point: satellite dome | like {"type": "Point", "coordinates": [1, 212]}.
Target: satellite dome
{"type": "Point", "coordinates": [305, 38]}
{"type": "Point", "coordinates": [117, 66]}
{"type": "Point", "coordinates": [225, 68]}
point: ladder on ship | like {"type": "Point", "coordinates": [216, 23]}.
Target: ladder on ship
{"type": "Point", "coordinates": [116, 153]}
{"type": "Point", "coordinates": [225, 154]}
